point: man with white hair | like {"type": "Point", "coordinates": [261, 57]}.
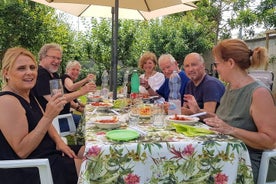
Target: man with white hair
{"type": "Point", "coordinates": [167, 65]}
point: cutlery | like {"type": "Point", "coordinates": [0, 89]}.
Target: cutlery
{"type": "Point", "coordinates": [94, 111]}
{"type": "Point", "coordinates": [141, 132]}
{"type": "Point", "coordinates": [115, 112]}
{"type": "Point", "coordinates": [198, 114]}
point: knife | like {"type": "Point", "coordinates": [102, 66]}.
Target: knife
{"type": "Point", "coordinates": [198, 114]}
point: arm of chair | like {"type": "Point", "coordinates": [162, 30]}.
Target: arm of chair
{"type": "Point", "coordinates": [42, 165]}
{"type": "Point", "coordinates": [263, 170]}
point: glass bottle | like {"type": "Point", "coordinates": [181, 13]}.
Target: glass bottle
{"type": "Point", "coordinates": [174, 95]}
{"type": "Point", "coordinates": [125, 84]}
{"type": "Point", "coordinates": [105, 90]}
{"type": "Point", "coordinates": [135, 82]}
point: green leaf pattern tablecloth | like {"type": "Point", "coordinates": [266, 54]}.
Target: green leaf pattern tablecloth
{"type": "Point", "coordinates": [164, 156]}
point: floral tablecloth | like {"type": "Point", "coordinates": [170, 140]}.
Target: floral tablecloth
{"type": "Point", "coordinates": [164, 156]}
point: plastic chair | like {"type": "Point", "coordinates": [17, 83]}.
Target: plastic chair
{"type": "Point", "coordinates": [267, 77]}
{"type": "Point", "coordinates": [267, 155]}
{"type": "Point", "coordinates": [68, 123]}
{"type": "Point", "coordinates": [42, 165]}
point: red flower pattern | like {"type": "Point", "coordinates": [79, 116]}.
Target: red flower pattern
{"type": "Point", "coordinates": [132, 179]}
{"type": "Point", "coordinates": [188, 150]}
{"type": "Point", "coordinates": [221, 178]}
{"type": "Point", "coordinates": [94, 151]}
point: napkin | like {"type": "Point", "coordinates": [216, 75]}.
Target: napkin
{"type": "Point", "coordinates": [191, 131]}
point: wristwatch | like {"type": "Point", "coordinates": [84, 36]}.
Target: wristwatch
{"type": "Point", "coordinates": [78, 107]}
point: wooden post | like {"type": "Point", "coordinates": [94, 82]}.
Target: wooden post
{"type": "Point", "coordinates": [267, 33]}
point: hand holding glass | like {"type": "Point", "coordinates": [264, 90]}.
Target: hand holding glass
{"type": "Point", "coordinates": [56, 86]}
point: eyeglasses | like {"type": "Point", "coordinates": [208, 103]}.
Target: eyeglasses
{"type": "Point", "coordinates": [54, 57]}
{"type": "Point", "coordinates": [215, 64]}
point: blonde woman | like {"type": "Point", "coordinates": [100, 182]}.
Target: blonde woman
{"type": "Point", "coordinates": [26, 131]}
{"type": "Point", "coordinates": [150, 78]}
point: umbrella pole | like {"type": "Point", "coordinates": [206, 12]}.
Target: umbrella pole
{"type": "Point", "coordinates": [115, 13]}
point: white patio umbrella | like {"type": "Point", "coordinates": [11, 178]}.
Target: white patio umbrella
{"type": "Point", "coordinates": [125, 9]}
{"type": "Point", "coordinates": [95, 10]}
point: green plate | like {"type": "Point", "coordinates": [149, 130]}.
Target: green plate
{"type": "Point", "coordinates": [122, 135]}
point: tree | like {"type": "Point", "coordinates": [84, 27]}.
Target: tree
{"type": "Point", "coordinates": [179, 35]}
{"type": "Point", "coordinates": [266, 12]}
{"type": "Point", "coordinates": [29, 25]}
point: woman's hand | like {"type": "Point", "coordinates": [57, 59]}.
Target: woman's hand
{"type": "Point", "coordinates": [89, 87]}
{"type": "Point", "coordinates": [219, 125]}
{"type": "Point", "coordinates": [64, 148]}
{"type": "Point", "coordinates": [91, 78]}
{"type": "Point", "coordinates": [55, 105]}
{"type": "Point", "coordinates": [144, 83]}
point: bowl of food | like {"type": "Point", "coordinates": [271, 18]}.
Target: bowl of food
{"type": "Point", "coordinates": [107, 122]}
{"type": "Point", "coordinates": [145, 110]}
{"type": "Point", "coordinates": [94, 98]}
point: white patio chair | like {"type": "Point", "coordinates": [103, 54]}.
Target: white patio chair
{"type": "Point", "coordinates": [267, 155]}
{"type": "Point", "coordinates": [267, 77]}
{"type": "Point", "coordinates": [69, 122]}
{"type": "Point", "coordinates": [42, 165]}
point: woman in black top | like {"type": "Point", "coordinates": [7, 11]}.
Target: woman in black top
{"type": "Point", "coordinates": [25, 130]}
{"type": "Point", "coordinates": [70, 84]}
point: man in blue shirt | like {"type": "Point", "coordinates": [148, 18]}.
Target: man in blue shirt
{"type": "Point", "coordinates": [167, 65]}
{"type": "Point", "coordinates": [203, 92]}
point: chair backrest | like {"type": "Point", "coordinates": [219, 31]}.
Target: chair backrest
{"type": "Point", "coordinates": [64, 124]}
{"type": "Point", "coordinates": [264, 166]}
{"type": "Point", "coordinates": [267, 77]}
{"type": "Point", "coordinates": [42, 165]}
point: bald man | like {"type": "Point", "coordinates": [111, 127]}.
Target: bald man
{"type": "Point", "coordinates": [202, 92]}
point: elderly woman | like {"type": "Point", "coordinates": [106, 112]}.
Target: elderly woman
{"type": "Point", "coordinates": [73, 69]}
{"type": "Point", "coordinates": [26, 131]}
{"type": "Point", "coordinates": [151, 78]}
{"type": "Point", "coordinates": [247, 108]}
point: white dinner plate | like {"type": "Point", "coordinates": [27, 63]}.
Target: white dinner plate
{"type": "Point", "coordinates": [187, 120]}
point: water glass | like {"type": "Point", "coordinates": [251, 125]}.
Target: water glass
{"type": "Point", "coordinates": [134, 116]}
{"type": "Point", "coordinates": [158, 116]}
{"type": "Point", "coordinates": [56, 86]}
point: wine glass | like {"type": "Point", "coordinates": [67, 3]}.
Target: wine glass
{"type": "Point", "coordinates": [56, 86]}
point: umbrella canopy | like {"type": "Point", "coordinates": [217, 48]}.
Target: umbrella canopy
{"type": "Point", "coordinates": [96, 10]}
{"type": "Point", "coordinates": [128, 9]}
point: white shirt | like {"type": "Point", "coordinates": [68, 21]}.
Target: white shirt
{"type": "Point", "coordinates": [154, 81]}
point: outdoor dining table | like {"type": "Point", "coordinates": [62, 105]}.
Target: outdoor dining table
{"type": "Point", "coordinates": [161, 156]}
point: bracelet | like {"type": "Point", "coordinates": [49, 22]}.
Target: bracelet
{"type": "Point", "coordinates": [147, 88]}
